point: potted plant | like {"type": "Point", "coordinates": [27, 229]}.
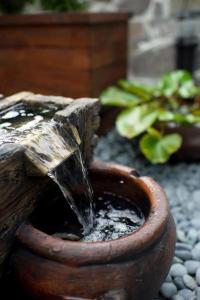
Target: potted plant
{"type": "Point", "coordinates": [165, 117]}
{"type": "Point", "coordinates": [60, 51]}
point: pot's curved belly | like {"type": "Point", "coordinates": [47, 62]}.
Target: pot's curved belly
{"type": "Point", "coordinates": [135, 278]}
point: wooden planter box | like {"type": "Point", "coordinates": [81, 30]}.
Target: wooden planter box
{"type": "Point", "coordinates": [69, 54]}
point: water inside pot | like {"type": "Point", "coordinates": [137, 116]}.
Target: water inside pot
{"type": "Point", "coordinates": [115, 216]}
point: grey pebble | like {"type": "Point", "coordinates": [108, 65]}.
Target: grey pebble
{"type": "Point", "coordinates": [189, 281]}
{"type": "Point", "coordinates": [183, 254]}
{"type": "Point", "coordinates": [196, 252]}
{"type": "Point", "coordinates": [192, 236]}
{"type": "Point", "coordinates": [177, 297]}
{"type": "Point", "coordinates": [198, 276]}
{"type": "Point", "coordinates": [184, 224]}
{"type": "Point", "coordinates": [187, 294]}
{"type": "Point", "coordinates": [177, 260]}
{"type": "Point", "coordinates": [192, 266]}
{"type": "Point", "coordinates": [168, 278]}
{"type": "Point", "coordinates": [178, 270]}
{"type": "Point", "coordinates": [196, 223]}
{"type": "Point", "coordinates": [181, 235]}
{"type": "Point", "coordinates": [168, 289]}
{"type": "Point", "coordinates": [183, 246]}
{"type": "Point", "coordinates": [198, 293]}
{"type": "Point", "coordinates": [178, 280]}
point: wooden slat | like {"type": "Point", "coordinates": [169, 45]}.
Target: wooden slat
{"type": "Point", "coordinates": [103, 35]}
{"type": "Point", "coordinates": [103, 77]}
{"type": "Point", "coordinates": [67, 60]}
{"type": "Point", "coordinates": [109, 55]}
{"type": "Point", "coordinates": [44, 71]}
{"type": "Point", "coordinates": [49, 36]}
{"type": "Point", "coordinates": [63, 18]}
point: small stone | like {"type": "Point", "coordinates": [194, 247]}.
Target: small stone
{"type": "Point", "coordinates": [181, 235]}
{"type": "Point", "coordinates": [196, 252]}
{"type": "Point", "coordinates": [192, 266]}
{"type": "Point", "coordinates": [168, 278]}
{"type": "Point", "coordinates": [168, 289]}
{"type": "Point", "coordinates": [177, 260]}
{"type": "Point", "coordinates": [189, 282]}
{"type": "Point", "coordinates": [177, 297]}
{"type": "Point", "coordinates": [183, 254]}
{"type": "Point", "coordinates": [183, 246]}
{"type": "Point", "coordinates": [198, 293]}
{"type": "Point", "coordinates": [196, 223]}
{"type": "Point", "coordinates": [179, 282]}
{"type": "Point", "coordinates": [187, 294]}
{"type": "Point", "coordinates": [178, 270]}
{"type": "Point", "coordinates": [192, 236]}
{"type": "Point", "coordinates": [184, 224]}
{"type": "Point", "coordinates": [198, 276]}
{"type": "Point", "coordinates": [196, 195]}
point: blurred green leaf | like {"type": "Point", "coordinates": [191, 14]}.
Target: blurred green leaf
{"type": "Point", "coordinates": [188, 90]}
{"type": "Point", "coordinates": [171, 82]}
{"type": "Point", "coordinates": [165, 115]}
{"type": "Point", "coordinates": [117, 97]}
{"type": "Point", "coordinates": [168, 116]}
{"type": "Point", "coordinates": [139, 90]}
{"type": "Point", "coordinates": [133, 121]}
{"type": "Point", "coordinates": [157, 148]}
{"type": "Point", "coordinates": [64, 5]}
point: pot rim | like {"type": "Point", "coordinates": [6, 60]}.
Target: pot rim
{"type": "Point", "coordinates": [78, 253]}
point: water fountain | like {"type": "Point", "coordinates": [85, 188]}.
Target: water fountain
{"type": "Point", "coordinates": [112, 258]}
{"type": "Point", "coordinates": [23, 180]}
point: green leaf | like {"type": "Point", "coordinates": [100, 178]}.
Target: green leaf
{"type": "Point", "coordinates": [139, 90]}
{"type": "Point", "coordinates": [168, 116]}
{"type": "Point", "coordinates": [116, 97]}
{"type": "Point", "coordinates": [165, 115]}
{"type": "Point", "coordinates": [170, 82]}
{"type": "Point", "coordinates": [157, 148]}
{"type": "Point", "coordinates": [133, 121]}
{"type": "Point", "coordinates": [188, 90]}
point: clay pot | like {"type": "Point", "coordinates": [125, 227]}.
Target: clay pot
{"type": "Point", "coordinates": [131, 267]}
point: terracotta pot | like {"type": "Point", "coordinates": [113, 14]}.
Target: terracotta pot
{"type": "Point", "coordinates": [131, 267]}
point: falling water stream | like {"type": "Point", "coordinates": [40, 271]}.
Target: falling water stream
{"type": "Point", "coordinates": [55, 151]}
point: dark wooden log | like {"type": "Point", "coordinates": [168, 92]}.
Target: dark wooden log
{"type": "Point", "coordinates": [20, 182]}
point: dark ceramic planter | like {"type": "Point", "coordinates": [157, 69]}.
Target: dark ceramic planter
{"type": "Point", "coordinates": [131, 267]}
{"type": "Point", "coordinates": [190, 149]}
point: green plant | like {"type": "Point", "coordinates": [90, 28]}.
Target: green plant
{"type": "Point", "coordinates": [64, 5]}
{"type": "Point", "coordinates": [175, 99]}
{"type": "Point", "coordinates": [13, 6]}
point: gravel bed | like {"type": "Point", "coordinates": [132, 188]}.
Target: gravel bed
{"type": "Point", "coordinates": [181, 182]}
